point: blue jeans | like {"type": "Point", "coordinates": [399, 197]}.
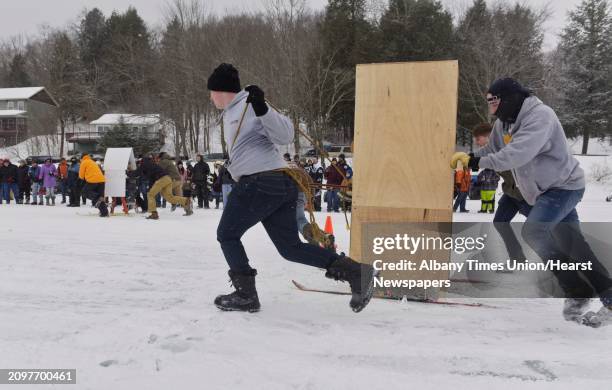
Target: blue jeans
{"type": "Point", "coordinates": [333, 201]}
{"type": "Point", "coordinates": [552, 230]}
{"type": "Point", "coordinates": [62, 188]}
{"type": "Point", "coordinates": [225, 191]}
{"type": "Point", "coordinates": [460, 201]}
{"type": "Point", "coordinates": [299, 210]}
{"type": "Point", "coordinates": [36, 187]}
{"type": "Point", "coordinates": [507, 208]}
{"type": "Point", "coordinates": [269, 198]}
{"type": "Point", "coordinates": [6, 192]}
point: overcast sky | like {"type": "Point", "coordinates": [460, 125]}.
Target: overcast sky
{"type": "Point", "coordinates": [26, 16]}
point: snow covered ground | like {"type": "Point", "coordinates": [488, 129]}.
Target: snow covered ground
{"type": "Point", "coordinates": [128, 303]}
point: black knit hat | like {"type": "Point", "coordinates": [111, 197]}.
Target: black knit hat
{"type": "Point", "coordinates": [506, 87]}
{"type": "Point", "coordinates": [224, 79]}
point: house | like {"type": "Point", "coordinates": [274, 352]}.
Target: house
{"type": "Point", "coordinates": [26, 112]}
{"type": "Point", "coordinates": [88, 141]}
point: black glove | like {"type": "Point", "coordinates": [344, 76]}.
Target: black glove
{"type": "Point", "coordinates": [257, 100]}
{"type": "Point", "coordinates": [473, 165]}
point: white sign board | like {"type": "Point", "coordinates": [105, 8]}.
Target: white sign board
{"type": "Point", "coordinates": [116, 162]}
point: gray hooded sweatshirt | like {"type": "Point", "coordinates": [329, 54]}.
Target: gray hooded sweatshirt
{"type": "Point", "coordinates": [538, 154]}
{"type": "Point", "coordinates": [255, 148]}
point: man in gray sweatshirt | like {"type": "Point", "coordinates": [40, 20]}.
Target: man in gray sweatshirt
{"type": "Point", "coordinates": [265, 193]}
{"type": "Point", "coordinates": [529, 141]}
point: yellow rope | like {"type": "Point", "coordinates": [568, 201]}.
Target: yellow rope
{"type": "Point", "coordinates": [317, 234]}
{"type": "Point", "coordinates": [325, 155]}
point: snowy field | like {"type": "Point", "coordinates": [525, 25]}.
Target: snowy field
{"type": "Point", "coordinates": [128, 303]}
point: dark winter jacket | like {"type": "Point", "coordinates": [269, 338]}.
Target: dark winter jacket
{"type": "Point", "coordinates": [216, 183]}
{"type": "Point", "coordinates": [346, 169]}
{"type": "Point", "coordinates": [488, 180]}
{"type": "Point", "coordinates": [151, 171]}
{"type": "Point", "coordinates": [131, 182]}
{"type": "Point", "coordinates": [73, 174]}
{"type": "Point", "coordinates": [8, 174]}
{"type": "Point", "coordinates": [200, 172]}
{"type": "Point", "coordinates": [509, 186]}
{"type": "Point", "coordinates": [316, 173]}
{"type": "Point", "coordinates": [23, 179]}
{"type": "Point", "coordinates": [34, 173]}
{"type": "Point", "coordinates": [333, 176]}
{"type": "Point", "coordinates": [169, 167]}
{"type": "Point", "coordinates": [225, 176]}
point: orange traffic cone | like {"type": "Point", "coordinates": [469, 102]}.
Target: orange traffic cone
{"type": "Point", "coordinates": [329, 227]}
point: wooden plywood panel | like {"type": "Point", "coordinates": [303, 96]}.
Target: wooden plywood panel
{"type": "Point", "coordinates": [364, 215]}
{"type": "Point", "coordinates": [405, 123]}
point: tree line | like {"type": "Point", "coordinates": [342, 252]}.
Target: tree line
{"type": "Point", "coordinates": [305, 61]}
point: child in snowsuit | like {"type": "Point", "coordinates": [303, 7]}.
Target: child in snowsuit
{"type": "Point", "coordinates": [487, 180]}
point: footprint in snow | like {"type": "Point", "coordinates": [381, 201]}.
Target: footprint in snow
{"type": "Point", "coordinates": [176, 347]}
{"type": "Point", "coordinates": [108, 363]}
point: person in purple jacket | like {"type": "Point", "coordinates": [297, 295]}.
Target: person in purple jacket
{"type": "Point", "coordinates": [47, 175]}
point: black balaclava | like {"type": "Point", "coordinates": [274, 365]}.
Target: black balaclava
{"type": "Point", "coordinates": [512, 95]}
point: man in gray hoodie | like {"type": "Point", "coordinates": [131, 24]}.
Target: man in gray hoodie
{"type": "Point", "coordinates": [265, 193]}
{"type": "Point", "coordinates": [528, 140]}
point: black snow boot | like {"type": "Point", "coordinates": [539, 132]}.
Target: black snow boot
{"type": "Point", "coordinates": [103, 207]}
{"type": "Point", "coordinates": [244, 298]}
{"type": "Point", "coordinates": [359, 276]}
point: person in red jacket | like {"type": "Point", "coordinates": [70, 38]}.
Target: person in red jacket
{"type": "Point", "coordinates": [62, 178]}
{"type": "Point", "coordinates": [463, 180]}
{"type": "Point", "coordinates": [334, 177]}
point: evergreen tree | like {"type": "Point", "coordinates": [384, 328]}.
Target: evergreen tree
{"type": "Point", "coordinates": [586, 44]}
{"type": "Point", "coordinates": [119, 136]}
{"type": "Point", "coordinates": [91, 38]}
{"type": "Point", "coordinates": [124, 136]}
{"type": "Point", "coordinates": [17, 74]}
{"type": "Point", "coordinates": [128, 59]}
{"type": "Point", "coordinates": [67, 81]}
{"type": "Point", "coordinates": [502, 41]}
{"type": "Point", "coordinates": [348, 38]}
{"type": "Point", "coordinates": [416, 30]}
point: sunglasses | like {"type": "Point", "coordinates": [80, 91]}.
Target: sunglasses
{"type": "Point", "coordinates": [493, 100]}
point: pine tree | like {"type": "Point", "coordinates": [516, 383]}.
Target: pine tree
{"type": "Point", "coordinates": [586, 44]}
{"type": "Point", "coordinates": [91, 38]}
{"type": "Point", "coordinates": [67, 81]}
{"type": "Point", "coordinates": [501, 41]}
{"type": "Point", "coordinates": [347, 34]}
{"type": "Point", "coordinates": [17, 74]}
{"type": "Point", "coordinates": [416, 30]}
{"type": "Point", "coordinates": [348, 38]}
{"type": "Point", "coordinates": [119, 136]}
{"type": "Point", "coordinates": [123, 136]}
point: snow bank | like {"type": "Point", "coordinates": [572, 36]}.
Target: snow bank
{"type": "Point", "coordinates": [596, 146]}
{"type": "Point", "coordinates": [44, 145]}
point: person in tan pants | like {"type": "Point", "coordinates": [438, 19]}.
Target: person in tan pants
{"type": "Point", "coordinates": [162, 183]}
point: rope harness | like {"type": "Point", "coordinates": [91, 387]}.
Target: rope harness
{"type": "Point", "coordinates": [347, 184]}
{"type": "Point", "coordinates": [304, 183]}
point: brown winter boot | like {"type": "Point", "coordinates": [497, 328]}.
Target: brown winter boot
{"type": "Point", "coordinates": [153, 215]}
{"type": "Point", "coordinates": [188, 207]}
